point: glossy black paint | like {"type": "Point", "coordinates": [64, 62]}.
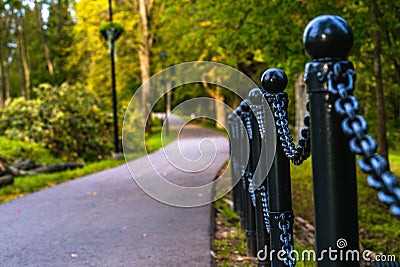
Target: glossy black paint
{"type": "Point", "coordinates": [327, 37]}
{"type": "Point", "coordinates": [328, 40]}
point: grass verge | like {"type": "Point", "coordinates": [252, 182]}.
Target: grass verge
{"type": "Point", "coordinates": [229, 244]}
{"type": "Point", "coordinates": [13, 149]}
{"type": "Point", "coordinates": [29, 184]}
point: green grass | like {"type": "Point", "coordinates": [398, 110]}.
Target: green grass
{"type": "Point", "coordinates": [379, 230]}
{"type": "Point", "coordinates": [12, 150]}
{"type": "Point", "coordinates": [229, 243]}
{"type": "Point", "coordinates": [154, 141]}
{"type": "Point", "coordinates": [29, 184]}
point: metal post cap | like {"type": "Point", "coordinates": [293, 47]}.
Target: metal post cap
{"type": "Point", "coordinates": [256, 96]}
{"type": "Point", "coordinates": [274, 80]}
{"type": "Point", "coordinates": [328, 36]}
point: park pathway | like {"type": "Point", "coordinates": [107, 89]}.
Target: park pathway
{"type": "Point", "coordinates": [105, 219]}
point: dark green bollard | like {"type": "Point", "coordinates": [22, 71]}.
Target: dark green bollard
{"type": "Point", "coordinates": [328, 40]}
{"type": "Point", "coordinates": [234, 143]}
{"type": "Point", "coordinates": [249, 204]}
{"type": "Point", "coordinates": [241, 161]}
{"type": "Point", "coordinates": [279, 185]}
{"type": "Point", "coordinates": [263, 241]}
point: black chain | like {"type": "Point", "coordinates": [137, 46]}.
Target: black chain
{"type": "Point", "coordinates": [265, 207]}
{"type": "Point", "coordinates": [285, 224]}
{"type": "Point", "coordinates": [259, 112]}
{"type": "Point", "coordinates": [247, 122]}
{"type": "Point", "coordinates": [299, 154]}
{"type": "Point", "coordinates": [249, 177]}
{"type": "Point", "coordinates": [355, 126]}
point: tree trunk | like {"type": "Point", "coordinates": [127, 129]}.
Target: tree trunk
{"type": "Point", "coordinates": [220, 114]}
{"type": "Point", "coordinates": [1, 81]}
{"type": "Point", "coordinates": [21, 68]}
{"type": "Point", "coordinates": [144, 59]}
{"type": "Point", "coordinates": [396, 62]}
{"type": "Point", "coordinates": [45, 169]}
{"type": "Point", "coordinates": [7, 84]}
{"type": "Point", "coordinates": [46, 48]}
{"type": "Point", "coordinates": [25, 64]}
{"type": "Point", "coordinates": [379, 91]}
{"type": "Point", "coordinates": [301, 100]}
{"type": "Point", "coordinates": [6, 180]}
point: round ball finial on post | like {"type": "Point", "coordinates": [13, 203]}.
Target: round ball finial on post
{"type": "Point", "coordinates": [274, 80]}
{"type": "Point", "coordinates": [327, 37]}
{"type": "Point", "coordinates": [256, 96]}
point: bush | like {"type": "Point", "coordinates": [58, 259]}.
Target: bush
{"type": "Point", "coordinates": [16, 150]}
{"type": "Point", "coordinates": [68, 120]}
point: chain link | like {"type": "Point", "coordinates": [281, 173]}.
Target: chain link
{"type": "Point", "coordinates": [279, 103]}
{"type": "Point", "coordinates": [247, 122]}
{"type": "Point", "coordinates": [265, 207]}
{"type": "Point", "coordinates": [355, 126]}
{"type": "Point", "coordinates": [285, 223]}
{"type": "Point", "coordinates": [249, 177]}
{"type": "Point", "coordinates": [259, 111]}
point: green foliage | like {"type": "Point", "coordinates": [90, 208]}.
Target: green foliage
{"type": "Point", "coordinates": [249, 35]}
{"type": "Point", "coordinates": [229, 242]}
{"type": "Point", "coordinates": [12, 150]}
{"type": "Point", "coordinates": [89, 60]}
{"type": "Point", "coordinates": [68, 120]}
{"type": "Point", "coordinates": [379, 230]}
{"type": "Point", "coordinates": [158, 138]}
{"type": "Point", "coordinates": [253, 36]}
{"type": "Point", "coordinates": [59, 35]}
{"type": "Point", "coordinates": [111, 26]}
{"type": "Point", "coordinates": [30, 184]}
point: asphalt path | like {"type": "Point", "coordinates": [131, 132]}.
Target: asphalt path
{"type": "Point", "coordinates": [106, 219]}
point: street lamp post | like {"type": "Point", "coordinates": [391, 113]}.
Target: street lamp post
{"type": "Point", "coordinates": [111, 34]}
{"type": "Point", "coordinates": [167, 98]}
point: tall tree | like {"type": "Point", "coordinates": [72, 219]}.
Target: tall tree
{"type": "Point", "coordinates": [59, 33]}
{"type": "Point", "coordinates": [24, 59]}
{"type": "Point", "coordinates": [6, 47]}
{"type": "Point", "coordinates": [379, 91]}
{"type": "Point", "coordinates": [43, 37]}
{"type": "Point", "coordinates": [145, 7]}
{"type": "Point", "coordinates": [88, 61]}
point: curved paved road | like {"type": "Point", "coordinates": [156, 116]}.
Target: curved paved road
{"type": "Point", "coordinates": [105, 219]}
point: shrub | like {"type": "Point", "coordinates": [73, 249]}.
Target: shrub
{"type": "Point", "coordinates": [69, 120]}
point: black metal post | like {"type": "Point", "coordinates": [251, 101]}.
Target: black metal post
{"type": "Point", "coordinates": [328, 40]}
{"type": "Point", "coordinates": [279, 185]}
{"type": "Point", "coordinates": [249, 201]}
{"type": "Point", "coordinates": [114, 92]}
{"type": "Point", "coordinates": [263, 238]}
{"type": "Point", "coordinates": [241, 167]}
{"type": "Point", "coordinates": [233, 136]}
{"type": "Point", "coordinates": [166, 94]}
